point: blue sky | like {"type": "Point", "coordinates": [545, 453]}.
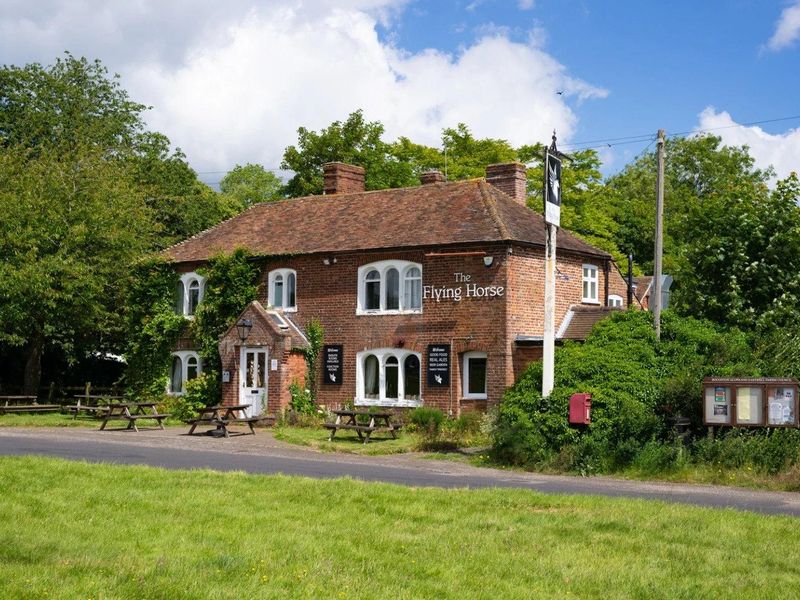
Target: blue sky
{"type": "Point", "coordinates": [662, 63]}
{"type": "Point", "coordinates": [231, 82]}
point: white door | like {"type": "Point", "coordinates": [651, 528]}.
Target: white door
{"type": "Point", "coordinates": [253, 378]}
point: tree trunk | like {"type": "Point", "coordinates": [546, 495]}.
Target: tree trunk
{"type": "Point", "coordinates": [33, 366]}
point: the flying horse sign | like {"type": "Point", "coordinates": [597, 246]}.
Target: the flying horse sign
{"type": "Point", "coordinates": [552, 185]}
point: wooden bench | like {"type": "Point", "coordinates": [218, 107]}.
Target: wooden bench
{"type": "Point", "coordinates": [220, 417]}
{"type": "Point", "coordinates": [18, 404]}
{"type": "Point", "coordinates": [93, 411]}
{"type": "Point", "coordinates": [348, 419]}
{"type": "Point", "coordinates": [121, 412]}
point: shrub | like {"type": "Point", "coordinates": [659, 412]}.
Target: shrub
{"type": "Point", "coordinates": [771, 451]}
{"type": "Point", "coordinates": [638, 387]}
{"type": "Point", "coordinates": [428, 420]}
{"type": "Point", "coordinates": [302, 403]}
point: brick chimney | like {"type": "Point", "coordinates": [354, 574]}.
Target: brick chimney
{"type": "Point", "coordinates": [341, 178]}
{"type": "Point", "coordinates": [432, 176]}
{"type": "Point", "coordinates": [509, 178]}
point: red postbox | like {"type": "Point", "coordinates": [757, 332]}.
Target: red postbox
{"type": "Point", "coordinates": [580, 409]}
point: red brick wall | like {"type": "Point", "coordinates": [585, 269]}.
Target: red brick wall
{"type": "Point", "coordinates": [329, 293]}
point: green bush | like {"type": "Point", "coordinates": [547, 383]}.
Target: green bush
{"type": "Point", "coordinates": [638, 387]}
{"type": "Point", "coordinates": [302, 402]}
{"type": "Point", "coordinates": [770, 451]}
{"type": "Point", "coordinates": [427, 420]}
{"type": "Point", "coordinates": [200, 392]}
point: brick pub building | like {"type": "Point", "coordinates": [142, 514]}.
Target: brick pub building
{"type": "Point", "coordinates": [429, 296]}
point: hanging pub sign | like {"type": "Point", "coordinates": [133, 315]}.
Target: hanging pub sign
{"type": "Point", "coordinates": [332, 364]}
{"type": "Point", "coordinates": [552, 186]}
{"type": "Point", "coordinates": [438, 365]}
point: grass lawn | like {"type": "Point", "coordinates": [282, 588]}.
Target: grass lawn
{"type": "Point", "coordinates": [75, 530]}
{"type": "Point", "coordinates": [64, 420]}
{"type": "Point", "coordinates": [347, 441]}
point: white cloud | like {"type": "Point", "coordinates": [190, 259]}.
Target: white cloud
{"type": "Point", "coordinates": [787, 31]}
{"type": "Point", "coordinates": [781, 151]}
{"type": "Point", "coordinates": [231, 85]}
{"type": "Point", "coordinates": [526, 4]}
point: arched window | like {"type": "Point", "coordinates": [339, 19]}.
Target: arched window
{"type": "Point", "coordinates": [411, 377]}
{"type": "Point", "coordinates": [186, 365]}
{"type": "Point", "coordinates": [192, 365]}
{"type": "Point", "coordinates": [194, 297]}
{"type": "Point", "coordinates": [392, 378]}
{"type": "Point", "coordinates": [373, 291]}
{"type": "Point", "coordinates": [371, 385]}
{"type": "Point", "coordinates": [176, 376]}
{"type": "Point", "coordinates": [189, 294]}
{"type": "Point", "coordinates": [389, 286]}
{"type": "Point", "coordinates": [282, 289]}
{"type": "Point", "coordinates": [412, 289]}
{"type": "Point", "coordinates": [392, 289]}
{"type": "Point", "coordinates": [388, 377]}
{"type": "Point", "coordinates": [277, 291]}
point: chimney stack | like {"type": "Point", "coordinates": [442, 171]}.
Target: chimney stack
{"type": "Point", "coordinates": [432, 176]}
{"type": "Point", "coordinates": [509, 178]}
{"type": "Point", "coordinates": [341, 178]}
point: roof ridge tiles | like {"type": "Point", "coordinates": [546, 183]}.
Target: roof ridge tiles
{"type": "Point", "coordinates": [491, 205]}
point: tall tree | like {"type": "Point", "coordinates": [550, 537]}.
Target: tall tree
{"type": "Point", "coordinates": [354, 141]}
{"type": "Point", "coordinates": [68, 228]}
{"type": "Point", "coordinates": [251, 184]}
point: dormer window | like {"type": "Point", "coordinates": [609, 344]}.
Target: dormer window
{"type": "Point", "coordinates": [389, 287]}
{"type": "Point", "coordinates": [189, 294]}
{"type": "Point", "coordinates": [283, 289]}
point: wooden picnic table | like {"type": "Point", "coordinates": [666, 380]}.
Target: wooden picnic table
{"type": "Point", "coordinates": [348, 419]}
{"type": "Point", "coordinates": [220, 417]}
{"type": "Point", "coordinates": [24, 404]}
{"type": "Point", "coordinates": [141, 410]}
{"type": "Point", "coordinates": [90, 404]}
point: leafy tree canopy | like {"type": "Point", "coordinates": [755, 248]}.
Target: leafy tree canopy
{"type": "Point", "coordinates": [354, 141]}
{"type": "Point", "coordinates": [251, 184]}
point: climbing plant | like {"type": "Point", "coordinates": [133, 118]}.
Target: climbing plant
{"type": "Point", "coordinates": [314, 334]}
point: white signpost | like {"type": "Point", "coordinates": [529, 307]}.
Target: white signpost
{"type": "Point", "coordinates": [552, 219]}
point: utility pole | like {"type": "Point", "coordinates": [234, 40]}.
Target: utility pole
{"type": "Point", "coordinates": [655, 296]}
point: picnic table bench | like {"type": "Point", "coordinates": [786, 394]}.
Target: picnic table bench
{"type": "Point", "coordinates": [91, 404]}
{"type": "Point", "coordinates": [141, 410]}
{"type": "Point", "coordinates": [16, 404]}
{"type": "Point", "coordinates": [220, 417]}
{"type": "Point", "coordinates": [348, 419]}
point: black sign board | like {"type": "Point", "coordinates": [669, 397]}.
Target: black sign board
{"type": "Point", "coordinates": [552, 189]}
{"type": "Point", "coordinates": [332, 364]}
{"type": "Point", "coordinates": [438, 365]}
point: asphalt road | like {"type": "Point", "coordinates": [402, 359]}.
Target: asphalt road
{"type": "Point", "coordinates": [261, 454]}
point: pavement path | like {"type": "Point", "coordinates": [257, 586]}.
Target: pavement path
{"type": "Point", "coordinates": [263, 454]}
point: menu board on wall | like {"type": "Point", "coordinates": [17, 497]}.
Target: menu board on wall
{"type": "Point", "coordinates": [781, 406]}
{"type": "Point", "coordinates": [332, 364]}
{"type": "Point", "coordinates": [438, 365]}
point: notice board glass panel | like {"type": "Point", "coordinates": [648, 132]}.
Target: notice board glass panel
{"type": "Point", "coordinates": [749, 406]}
{"type": "Point", "coordinates": [781, 405]}
{"type": "Point", "coordinates": [718, 405]}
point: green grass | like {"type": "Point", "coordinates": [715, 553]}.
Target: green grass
{"type": "Point", "coordinates": [75, 530]}
{"type": "Point", "coordinates": [347, 441]}
{"type": "Point", "coordinates": [66, 420]}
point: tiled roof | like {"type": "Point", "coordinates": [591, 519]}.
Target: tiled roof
{"type": "Point", "coordinates": [430, 215]}
{"type": "Point", "coordinates": [580, 320]}
{"type": "Point", "coordinates": [642, 284]}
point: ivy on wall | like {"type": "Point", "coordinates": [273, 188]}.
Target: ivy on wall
{"type": "Point", "coordinates": [152, 328]}
{"type": "Point", "coordinates": [231, 284]}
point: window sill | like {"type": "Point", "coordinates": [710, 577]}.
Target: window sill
{"type": "Point", "coordinates": [373, 313]}
{"type": "Point", "coordinates": [293, 309]}
{"type": "Point", "coordinates": [586, 301]}
{"type": "Point", "coordinates": [475, 397]}
{"type": "Point", "coordinates": [388, 403]}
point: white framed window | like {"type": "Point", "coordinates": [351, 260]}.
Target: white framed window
{"type": "Point", "coordinates": [189, 293]}
{"type": "Point", "coordinates": [614, 300]}
{"type": "Point", "coordinates": [389, 287]}
{"type": "Point", "coordinates": [589, 280]}
{"type": "Point", "coordinates": [186, 365]}
{"type": "Point", "coordinates": [474, 376]}
{"type": "Point", "coordinates": [282, 284]}
{"type": "Point", "coordinates": [388, 377]}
